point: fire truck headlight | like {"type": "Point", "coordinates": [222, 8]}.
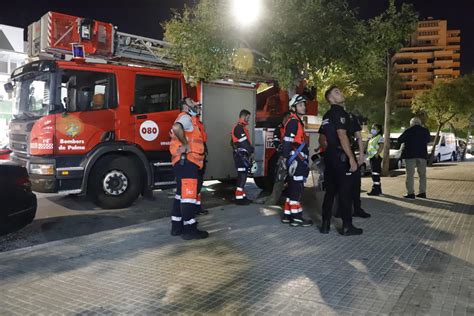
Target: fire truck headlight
{"type": "Point", "coordinates": [42, 169]}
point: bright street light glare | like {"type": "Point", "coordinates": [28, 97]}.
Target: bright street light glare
{"type": "Point", "coordinates": [246, 11]}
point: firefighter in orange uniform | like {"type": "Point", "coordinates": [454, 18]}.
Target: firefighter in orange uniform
{"type": "Point", "coordinates": [243, 151]}
{"type": "Point", "coordinates": [295, 155]}
{"type": "Point", "coordinates": [187, 157]}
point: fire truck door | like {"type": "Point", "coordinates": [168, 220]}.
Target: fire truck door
{"type": "Point", "coordinates": [155, 109]}
{"type": "Point", "coordinates": [88, 97]}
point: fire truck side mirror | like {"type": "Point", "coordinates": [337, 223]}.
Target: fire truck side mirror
{"type": "Point", "coordinates": [8, 87]}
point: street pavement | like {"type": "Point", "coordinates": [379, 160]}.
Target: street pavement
{"type": "Point", "coordinates": [415, 257]}
{"type": "Point", "coordinates": [66, 216]}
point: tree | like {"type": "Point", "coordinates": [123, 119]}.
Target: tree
{"type": "Point", "coordinates": [333, 74]}
{"type": "Point", "coordinates": [446, 101]}
{"type": "Point", "coordinates": [292, 41]}
{"type": "Point", "coordinates": [388, 32]}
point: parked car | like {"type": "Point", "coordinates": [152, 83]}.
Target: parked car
{"type": "Point", "coordinates": [5, 153]}
{"type": "Point", "coordinates": [396, 161]}
{"type": "Point", "coordinates": [469, 149]}
{"type": "Point", "coordinates": [17, 200]}
{"type": "Point", "coordinates": [461, 148]}
{"type": "Point", "coordinates": [445, 149]}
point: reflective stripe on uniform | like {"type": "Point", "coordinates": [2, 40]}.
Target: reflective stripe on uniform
{"type": "Point", "coordinates": [241, 169]}
{"type": "Point", "coordinates": [177, 197]}
{"type": "Point", "coordinates": [243, 139]}
{"type": "Point", "coordinates": [288, 139]}
{"type": "Point", "coordinates": [191, 201]}
{"type": "Point", "coordinates": [377, 183]}
{"type": "Point", "coordinates": [298, 178]}
{"type": "Point", "coordinates": [375, 174]}
{"type": "Point", "coordinates": [296, 211]}
{"type": "Point", "coordinates": [190, 222]}
{"type": "Point", "coordinates": [176, 218]}
{"type": "Point", "coordinates": [301, 154]}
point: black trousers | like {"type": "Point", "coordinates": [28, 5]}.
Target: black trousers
{"type": "Point", "coordinates": [183, 211]}
{"type": "Point", "coordinates": [356, 202]}
{"type": "Point", "coordinates": [242, 165]}
{"type": "Point", "coordinates": [338, 181]}
{"type": "Point", "coordinates": [376, 166]}
{"type": "Point", "coordinates": [201, 173]}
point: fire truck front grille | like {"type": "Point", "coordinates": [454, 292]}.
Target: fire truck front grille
{"type": "Point", "coordinates": [18, 137]}
{"type": "Point", "coordinates": [19, 143]}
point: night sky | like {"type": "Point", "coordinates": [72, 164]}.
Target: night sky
{"type": "Point", "coordinates": [143, 17]}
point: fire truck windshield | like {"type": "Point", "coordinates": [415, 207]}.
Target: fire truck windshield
{"type": "Point", "coordinates": [33, 94]}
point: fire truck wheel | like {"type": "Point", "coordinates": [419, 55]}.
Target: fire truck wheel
{"type": "Point", "coordinates": [115, 182]}
{"type": "Point", "coordinates": [266, 183]}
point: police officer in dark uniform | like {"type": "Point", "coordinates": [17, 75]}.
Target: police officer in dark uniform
{"type": "Point", "coordinates": [356, 144]}
{"type": "Point", "coordinates": [340, 163]}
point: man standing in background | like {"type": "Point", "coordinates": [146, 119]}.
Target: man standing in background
{"type": "Point", "coordinates": [415, 153]}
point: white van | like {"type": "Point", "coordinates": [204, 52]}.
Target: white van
{"type": "Point", "coordinates": [445, 148]}
{"type": "Point", "coordinates": [396, 148]}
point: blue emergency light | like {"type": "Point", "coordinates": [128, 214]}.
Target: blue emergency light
{"type": "Point", "coordinates": [78, 51]}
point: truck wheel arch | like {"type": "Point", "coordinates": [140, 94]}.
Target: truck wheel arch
{"type": "Point", "coordinates": [120, 149]}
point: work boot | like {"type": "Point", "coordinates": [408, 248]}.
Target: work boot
{"type": "Point", "coordinates": [361, 213]}
{"type": "Point", "coordinates": [299, 221]}
{"type": "Point", "coordinates": [374, 193]}
{"type": "Point", "coordinates": [409, 196]}
{"type": "Point", "coordinates": [421, 195]}
{"type": "Point", "coordinates": [325, 227]}
{"type": "Point", "coordinates": [191, 232]}
{"type": "Point", "coordinates": [350, 230]}
{"type": "Point", "coordinates": [286, 219]}
{"type": "Point", "coordinates": [176, 228]}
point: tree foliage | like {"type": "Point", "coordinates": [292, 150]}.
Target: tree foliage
{"type": "Point", "coordinates": [387, 33]}
{"type": "Point", "coordinates": [292, 41]}
{"type": "Point", "coordinates": [446, 101]}
{"type": "Point", "coordinates": [199, 41]}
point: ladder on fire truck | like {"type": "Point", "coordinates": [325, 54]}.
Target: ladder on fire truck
{"type": "Point", "coordinates": [52, 35]}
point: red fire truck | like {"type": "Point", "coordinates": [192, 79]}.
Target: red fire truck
{"type": "Point", "coordinates": [100, 125]}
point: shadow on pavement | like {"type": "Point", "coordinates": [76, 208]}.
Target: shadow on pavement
{"type": "Point", "coordinates": [252, 262]}
{"type": "Point", "coordinates": [436, 203]}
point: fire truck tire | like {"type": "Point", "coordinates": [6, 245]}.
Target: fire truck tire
{"type": "Point", "coordinates": [231, 182]}
{"type": "Point", "coordinates": [115, 182]}
{"type": "Point", "coordinates": [267, 182]}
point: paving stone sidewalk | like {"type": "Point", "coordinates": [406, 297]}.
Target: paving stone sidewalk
{"type": "Point", "coordinates": [414, 257]}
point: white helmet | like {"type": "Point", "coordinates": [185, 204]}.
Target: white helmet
{"type": "Point", "coordinates": [254, 168]}
{"type": "Point", "coordinates": [297, 98]}
{"type": "Point", "coordinates": [292, 167]}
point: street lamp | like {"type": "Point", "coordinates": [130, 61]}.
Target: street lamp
{"type": "Point", "coordinates": [246, 11]}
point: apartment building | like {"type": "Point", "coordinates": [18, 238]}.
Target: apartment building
{"type": "Point", "coordinates": [433, 55]}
